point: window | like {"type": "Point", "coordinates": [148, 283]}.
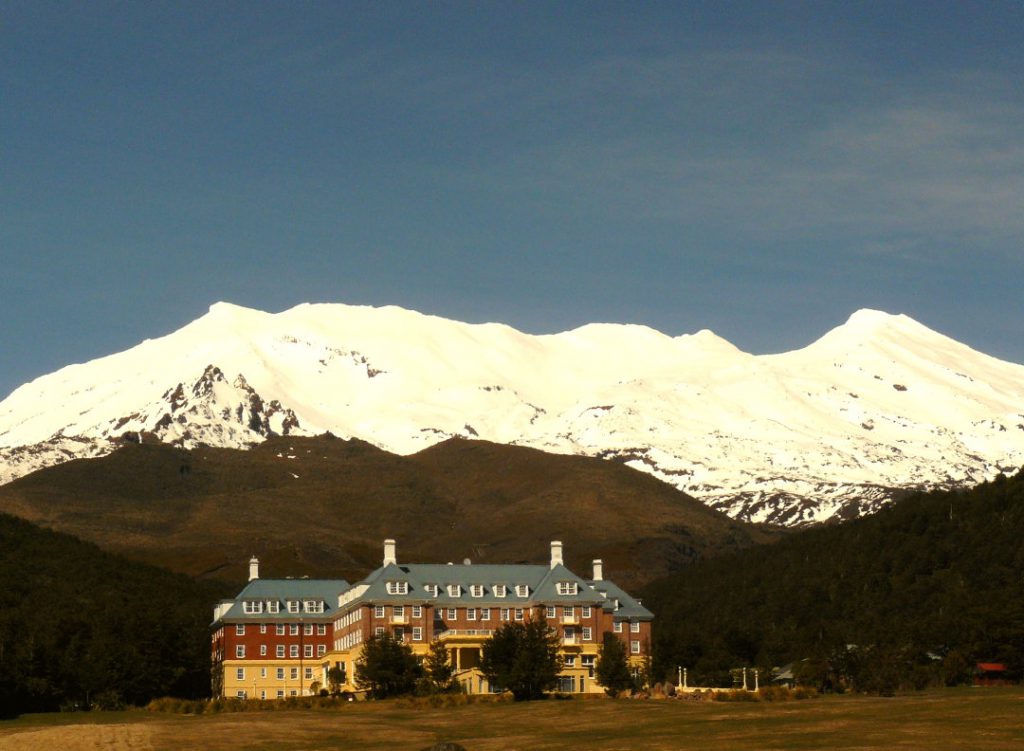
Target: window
{"type": "Point", "coordinates": [307, 650]}
{"type": "Point", "coordinates": [263, 694]}
{"type": "Point", "coordinates": [239, 629]}
{"type": "Point", "coordinates": [567, 588]}
{"type": "Point", "coordinates": [321, 650]}
{"type": "Point", "coordinates": [241, 695]}
{"type": "Point", "coordinates": [263, 650]}
{"type": "Point", "coordinates": [522, 590]}
{"type": "Point", "coordinates": [293, 650]}
{"type": "Point", "coordinates": [499, 590]}
{"type": "Point", "coordinates": [280, 693]}
{"type": "Point", "coordinates": [417, 611]}
{"type": "Point", "coordinates": [280, 651]}
{"type": "Point", "coordinates": [309, 673]}
{"type": "Point", "coordinates": [587, 633]}
{"type": "Point", "coordinates": [568, 611]}
{"type": "Point", "coordinates": [455, 590]}
{"type": "Point", "coordinates": [634, 627]}
{"type": "Point", "coordinates": [252, 606]}
{"type": "Point", "coordinates": [586, 611]}
{"type": "Point", "coordinates": [240, 651]}
{"type": "Point", "coordinates": [551, 612]}
{"type": "Point", "coordinates": [587, 661]}
{"type": "Point", "coordinates": [314, 606]}
{"type": "Point", "coordinates": [617, 627]}
{"type": "Point", "coordinates": [431, 589]}
{"type": "Point", "coordinates": [519, 614]}
{"type": "Point", "coordinates": [280, 629]}
{"type": "Point", "coordinates": [240, 674]}
{"type": "Point", "coordinates": [378, 611]}
{"type": "Point", "coordinates": [307, 629]}
{"type": "Point", "coordinates": [567, 684]}
{"type": "Point", "coordinates": [417, 633]}
{"type": "Point", "coordinates": [570, 661]}
{"type": "Point", "coordinates": [378, 631]}
{"type": "Point", "coordinates": [321, 629]}
{"type": "Point", "coordinates": [280, 674]}
{"type": "Point", "coordinates": [453, 614]}
{"type": "Point", "coordinates": [293, 629]}
{"type": "Point", "coordinates": [263, 672]}
{"type": "Point", "coordinates": [293, 606]}
{"type": "Point", "coordinates": [294, 674]}
{"type": "Point", "coordinates": [476, 590]}
{"type": "Point", "coordinates": [485, 614]}
{"type": "Point", "coordinates": [263, 628]}
{"type": "Point", "coordinates": [399, 634]}
{"type": "Point", "coordinates": [470, 614]}
{"type": "Point", "coordinates": [398, 611]}
{"type": "Point", "coordinates": [504, 614]}
{"type": "Point", "coordinates": [398, 588]}
{"type": "Point", "coordinates": [273, 606]}
{"type": "Point", "coordinates": [634, 647]}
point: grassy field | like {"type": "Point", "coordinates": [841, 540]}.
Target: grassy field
{"type": "Point", "coordinates": [953, 719]}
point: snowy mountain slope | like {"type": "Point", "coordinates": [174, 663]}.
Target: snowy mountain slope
{"type": "Point", "coordinates": [878, 403]}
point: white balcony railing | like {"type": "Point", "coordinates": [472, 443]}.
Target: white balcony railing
{"type": "Point", "coordinates": [456, 632]}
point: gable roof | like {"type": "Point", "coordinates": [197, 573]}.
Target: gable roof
{"type": "Point", "coordinates": [282, 590]}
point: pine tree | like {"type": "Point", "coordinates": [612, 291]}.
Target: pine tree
{"type": "Point", "coordinates": [523, 659]}
{"type": "Point", "coordinates": [387, 667]}
{"type": "Point", "coordinates": [612, 669]}
{"type": "Point", "coordinates": [439, 670]}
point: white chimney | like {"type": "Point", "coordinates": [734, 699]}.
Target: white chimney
{"type": "Point", "coordinates": [254, 568]}
{"type": "Point", "coordinates": [556, 553]}
{"type": "Point", "coordinates": [598, 570]}
{"type": "Point", "coordinates": [389, 552]}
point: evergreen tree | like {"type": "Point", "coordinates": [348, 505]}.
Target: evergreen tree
{"type": "Point", "coordinates": [387, 667]}
{"type": "Point", "coordinates": [612, 669]}
{"type": "Point", "coordinates": [440, 675]}
{"type": "Point", "coordinates": [523, 659]}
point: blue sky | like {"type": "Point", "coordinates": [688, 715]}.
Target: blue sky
{"type": "Point", "coordinates": [761, 169]}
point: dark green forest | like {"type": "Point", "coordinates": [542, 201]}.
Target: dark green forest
{"type": "Point", "coordinates": [82, 628]}
{"type": "Point", "coordinates": [909, 597]}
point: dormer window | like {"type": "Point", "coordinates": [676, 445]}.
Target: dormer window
{"type": "Point", "coordinates": [313, 606]}
{"type": "Point", "coordinates": [249, 607]}
{"type": "Point", "coordinates": [273, 606]}
{"type": "Point", "coordinates": [455, 590]}
{"type": "Point", "coordinates": [499, 590]}
{"type": "Point", "coordinates": [293, 606]}
{"type": "Point", "coordinates": [522, 590]}
{"type": "Point", "coordinates": [567, 588]}
{"type": "Point", "coordinates": [476, 590]}
{"type": "Point", "coordinates": [431, 589]}
{"type": "Point", "coordinates": [398, 588]}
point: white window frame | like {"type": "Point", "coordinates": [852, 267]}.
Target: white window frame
{"type": "Point", "coordinates": [279, 629]}
{"type": "Point", "coordinates": [551, 613]}
{"type": "Point", "coordinates": [307, 629]}
{"type": "Point", "coordinates": [280, 692]}
{"type": "Point", "coordinates": [321, 629]}
{"type": "Point", "coordinates": [293, 629]}
{"type": "Point", "coordinates": [239, 629]}
{"type": "Point", "coordinates": [307, 650]}
{"type": "Point", "coordinates": [263, 628]}
{"type": "Point", "coordinates": [431, 589]}
{"type": "Point", "coordinates": [617, 627]}
{"type": "Point", "coordinates": [470, 614]}
{"type": "Point", "coordinates": [588, 633]}
{"type": "Point", "coordinates": [417, 633]}
{"type": "Point", "coordinates": [634, 627]}
{"type": "Point", "coordinates": [293, 606]}
{"type": "Point", "coordinates": [294, 675]}
{"type": "Point", "coordinates": [321, 650]}
{"type": "Point", "coordinates": [280, 651]}
{"type": "Point", "coordinates": [273, 606]}
{"type": "Point", "coordinates": [505, 614]}
{"type": "Point", "coordinates": [453, 614]}
{"type": "Point", "coordinates": [634, 647]}
{"type": "Point", "coordinates": [263, 650]}
{"type": "Point", "coordinates": [313, 606]}
{"type": "Point", "coordinates": [308, 673]}
{"type": "Point", "coordinates": [398, 587]}
{"type": "Point", "coordinates": [587, 611]}
{"type": "Point", "coordinates": [280, 674]}
{"type": "Point", "coordinates": [499, 590]}
{"type": "Point", "coordinates": [567, 588]}
{"type": "Point", "coordinates": [239, 651]}
{"type": "Point", "coordinates": [240, 674]}
{"type": "Point", "coordinates": [522, 590]}
{"type": "Point", "coordinates": [455, 590]}
{"type": "Point", "coordinates": [378, 611]}
{"type": "Point", "coordinates": [293, 650]}
{"type": "Point", "coordinates": [378, 631]}
{"type": "Point", "coordinates": [518, 614]}
{"type": "Point", "coordinates": [485, 614]}
{"type": "Point", "coordinates": [570, 661]}
{"type": "Point", "coordinates": [476, 590]}
{"type": "Point", "coordinates": [568, 611]}
{"type": "Point", "coordinates": [417, 611]}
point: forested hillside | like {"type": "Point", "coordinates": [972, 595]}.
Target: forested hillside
{"type": "Point", "coordinates": [80, 627]}
{"type": "Point", "coordinates": [862, 604]}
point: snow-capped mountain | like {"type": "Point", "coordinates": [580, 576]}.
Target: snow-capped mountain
{"type": "Point", "coordinates": [877, 404]}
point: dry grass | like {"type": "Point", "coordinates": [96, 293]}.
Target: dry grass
{"type": "Point", "coordinates": [954, 719]}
